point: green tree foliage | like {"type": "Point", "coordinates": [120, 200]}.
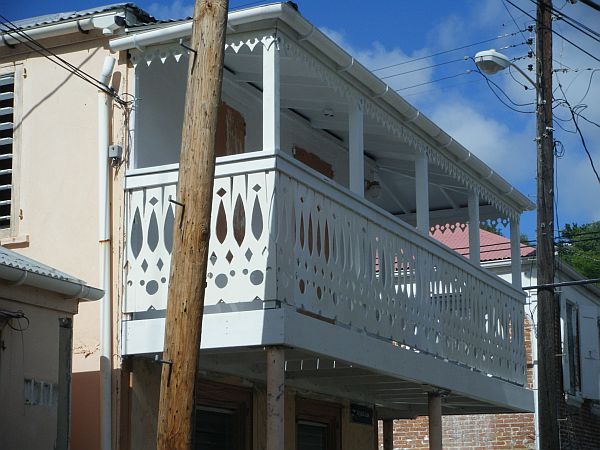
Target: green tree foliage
{"type": "Point", "coordinates": [579, 246]}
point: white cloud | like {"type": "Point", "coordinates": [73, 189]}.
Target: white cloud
{"type": "Point", "coordinates": [377, 56]}
{"type": "Point", "coordinates": [176, 10]}
{"type": "Point", "coordinates": [509, 152]}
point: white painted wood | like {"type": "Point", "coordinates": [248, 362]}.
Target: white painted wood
{"type": "Point", "coordinates": [271, 96]}
{"type": "Point", "coordinates": [474, 244]}
{"type": "Point", "coordinates": [219, 330]}
{"type": "Point", "coordinates": [356, 147]}
{"type": "Point", "coordinates": [284, 232]}
{"type": "Point", "coordinates": [275, 398]}
{"type": "Point", "coordinates": [590, 351]}
{"type": "Point", "coordinates": [515, 253]}
{"type": "Point", "coordinates": [422, 189]}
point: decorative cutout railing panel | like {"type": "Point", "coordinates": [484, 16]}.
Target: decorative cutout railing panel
{"type": "Point", "coordinates": [281, 232]}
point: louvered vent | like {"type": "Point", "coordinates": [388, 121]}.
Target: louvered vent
{"type": "Point", "coordinates": [7, 94]}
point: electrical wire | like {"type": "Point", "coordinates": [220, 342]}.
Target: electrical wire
{"type": "Point", "coordinates": [579, 132]}
{"type": "Point", "coordinates": [561, 16]}
{"type": "Point", "coordinates": [423, 68]}
{"type": "Point", "coordinates": [445, 51]}
{"type": "Point", "coordinates": [467, 72]}
{"type": "Point", "coordinates": [29, 42]}
{"type": "Point", "coordinates": [490, 83]}
{"type": "Point", "coordinates": [556, 32]}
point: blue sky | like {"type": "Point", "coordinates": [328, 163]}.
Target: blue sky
{"type": "Point", "coordinates": [384, 32]}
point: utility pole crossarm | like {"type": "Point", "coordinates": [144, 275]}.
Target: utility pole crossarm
{"type": "Point", "coordinates": [192, 232]}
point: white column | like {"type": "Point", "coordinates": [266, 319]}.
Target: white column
{"type": "Point", "coordinates": [275, 398]}
{"type": "Point", "coordinates": [271, 97]}
{"type": "Point", "coordinates": [422, 188]}
{"type": "Point", "coordinates": [356, 147]}
{"type": "Point", "coordinates": [515, 252]}
{"type": "Point", "coordinates": [474, 244]}
{"type": "Point", "coordinates": [434, 409]}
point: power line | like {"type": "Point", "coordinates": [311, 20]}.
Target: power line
{"type": "Point", "coordinates": [446, 51]}
{"type": "Point", "coordinates": [591, 4]}
{"type": "Point", "coordinates": [12, 29]}
{"type": "Point", "coordinates": [556, 32]}
{"type": "Point", "coordinates": [423, 68]}
{"type": "Point", "coordinates": [576, 24]}
{"type": "Point", "coordinates": [579, 132]}
{"type": "Point", "coordinates": [491, 83]}
{"type": "Point", "coordinates": [467, 72]}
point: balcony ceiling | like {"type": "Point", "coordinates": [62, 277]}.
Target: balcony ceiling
{"type": "Point", "coordinates": [307, 97]}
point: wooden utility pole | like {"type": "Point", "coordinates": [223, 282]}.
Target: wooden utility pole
{"type": "Point", "coordinates": [192, 226]}
{"type": "Point", "coordinates": [548, 316]}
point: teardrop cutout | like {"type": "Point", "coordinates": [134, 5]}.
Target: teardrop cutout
{"type": "Point", "coordinates": [153, 232]}
{"type": "Point", "coordinates": [257, 220]}
{"type": "Point", "coordinates": [239, 221]}
{"type": "Point", "coordinates": [168, 229]}
{"type": "Point", "coordinates": [221, 230]}
{"type": "Point", "coordinates": [136, 237]}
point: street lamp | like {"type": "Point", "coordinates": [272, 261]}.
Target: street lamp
{"type": "Point", "coordinates": [548, 309]}
{"type": "Point", "coordinates": [492, 62]}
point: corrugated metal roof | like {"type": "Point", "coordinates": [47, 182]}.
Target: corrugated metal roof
{"type": "Point", "coordinates": [493, 246]}
{"type": "Point", "coordinates": [8, 258]}
{"type": "Point", "coordinates": [141, 15]}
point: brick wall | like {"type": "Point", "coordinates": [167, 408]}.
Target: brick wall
{"type": "Point", "coordinates": [471, 432]}
{"type": "Point", "coordinates": [579, 429]}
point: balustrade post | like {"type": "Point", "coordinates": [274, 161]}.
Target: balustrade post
{"type": "Point", "coordinates": [474, 241]}
{"type": "Point", "coordinates": [356, 155]}
{"type": "Point", "coordinates": [515, 252]}
{"type": "Point", "coordinates": [271, 97]}
{"type": "Point", "coordinates": [422, 189]}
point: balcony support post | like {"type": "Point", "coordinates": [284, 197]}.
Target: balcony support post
{"type": "Point", "coordinates": [356, 147]}
{"type": "Point", "coordinates": [422, 189]}
{"type": "Point", "coordinates": [271, 97]}
{"type": "Point", "coordinates": [515, 252]}
{"type": "Point", "coordinates": [434, 408]}
{"type": "Point", "coordinates": [474, 244]}
{"type": "Point", "coordinates": [275, 398]}
{"type": "Point", "coordinates": [388, 434]}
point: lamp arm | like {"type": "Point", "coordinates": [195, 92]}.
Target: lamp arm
{"type": "Point", "coordinates": [522, 72]}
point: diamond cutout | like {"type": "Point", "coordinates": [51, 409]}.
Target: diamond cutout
{"type": "Point", "coordinates": [144, 265]}
{"type": "Point", "coordinates": [248, 254]}
{"type": "Point", "coordinates": [213, 258]}
{"type": "Point", "coordinates": [160, 264]}
{"type": "Point", "coordinates": [221, 192]}
{"type": "Point", "coordinates": [153, 201]}
{"type": "Point", "coordinates": [256, 188]}
{"type": "Point", "coordinates": [229, 256]}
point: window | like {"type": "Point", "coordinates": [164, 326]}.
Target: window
{"type": "Point", "coordinates": [223, 417]}
{"type": "Point", "coordinates": [573, 346]}
{"type": "Point", "coordinates": [317, 425]}
{"type": "Point", "coordinates": [7, 97]}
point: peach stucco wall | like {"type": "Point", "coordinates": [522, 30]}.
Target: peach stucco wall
{"type": "Point", "coordinates": [57, 185]}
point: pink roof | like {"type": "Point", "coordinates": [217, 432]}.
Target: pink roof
{"type": "Point", "coordinates": [493, 246]}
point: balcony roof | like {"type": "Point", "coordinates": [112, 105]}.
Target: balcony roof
{"type": "Point", "coordinates": [304, 33]}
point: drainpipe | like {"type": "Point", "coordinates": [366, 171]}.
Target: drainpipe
{"type": "Point", "coordinates": [104, 102]}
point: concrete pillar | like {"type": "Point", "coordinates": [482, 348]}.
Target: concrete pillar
{"type": "Point", "coordinates": [275, 398]}
{"type": "Point", "coordinates": [474, 244]}
{"type": "Point", "coordinates": [434, 408]}
{"type": "Point", "coordinates": [388, 434]}
{"type": "Point", "coordinates": [271, 97]}
{"type": "Point", "coordinates": [422, 189]}
{"type": "Point", "coordinates": [515, 252]}
{"type": "Point", "coordinates": [356, 155]}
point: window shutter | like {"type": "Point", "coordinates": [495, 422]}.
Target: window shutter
{"type": "Point", "coordinates": [7, 93]}
{"type": "Point", "coordinates": [590, 351]}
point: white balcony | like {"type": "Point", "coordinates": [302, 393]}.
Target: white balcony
{"type": "Point", "coordinates": [297, 260]}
